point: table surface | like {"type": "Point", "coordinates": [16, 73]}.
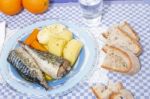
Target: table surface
{"type": "Point", "coordinates": [66, 1]}
{"type": "Point", "coordinates": [113, 13]}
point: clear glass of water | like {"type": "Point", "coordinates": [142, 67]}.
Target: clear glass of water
{"type": "Point", "coordinates": [92, 11]}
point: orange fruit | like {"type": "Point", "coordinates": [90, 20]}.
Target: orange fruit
{"type": "Point", "coordinates": [10, 7]}
{"type": "Point", "coordinates": [36, 6]}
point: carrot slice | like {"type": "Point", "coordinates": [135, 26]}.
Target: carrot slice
{"type": "Point", "coordinates": [35, 44]}
{"type": "Point", "coordinates": [32, 37]}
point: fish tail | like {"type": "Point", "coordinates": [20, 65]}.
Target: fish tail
{"type": "Point", "coordinates": [44, 84]}
{"type": "Point", "coordinates": [49, 88]}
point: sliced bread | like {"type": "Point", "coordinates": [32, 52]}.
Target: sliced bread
{"type": "Point", "coordinates": [115, 87]}
{"type": "Point", "coordinates": [125, 27]}
{"type": "Point", "coordinates": [108, 92]}
{"type": "Point", "coordinates": [120, 60]}
{"type": "Point", "coordinates": [116, 37]}
{"type": "Point", "coordinates": [101, 92]}
{"type": "Point", "coordinates": [123, 94]}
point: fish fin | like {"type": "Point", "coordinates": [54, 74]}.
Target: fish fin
{"type": "Point", "coordinates": [45, 85]}
{"type": "Point", "coordinates": [49, 88]}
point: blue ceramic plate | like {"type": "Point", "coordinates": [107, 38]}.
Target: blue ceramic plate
{"type": "Point", "coordinates": [81, 68]}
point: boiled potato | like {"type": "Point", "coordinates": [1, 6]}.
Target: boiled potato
{"type": "Point", "coordinates": [56, 46]}
{"type": "Point", "coordinates": [66, 35]}
{"type": "Point", "coordinates": [43, 36]}
{"type": "Point", "coordinates": [72, 50]}
{"type": "Point", "coordinates": [55, 30]}
{"type": "Point", "coordinates": [60, 31]}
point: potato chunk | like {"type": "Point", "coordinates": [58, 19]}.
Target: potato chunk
{"type": "Point", "coordinates": [65, 34]}
{"type": "Point", "coordinates": [72, 50]}
{"type": "Point", "coordinates": [56, 46]}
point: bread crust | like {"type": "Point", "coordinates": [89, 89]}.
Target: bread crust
{"type": "Point", "coordinates": [126, 93]}
{"type": "Point", "coordinates": [134, 64]}
{"type": "Point", "coordinates": [124, 32]}
{"type": "Point", "coordinates": [134, 41]}
{"type": "Point", "coordinates": [101, 93]}
{"type": "Point", "coordinates": [123, 93]}
{"type": "Point", "coordinates": [115, 87]}
{"type": "Point", "coordinates": [109, 67]}
{"type": "Point", "coordinates": [109, 92]}
{"type": "Point", "coordinates": [95, 93]}
{"type": "Point", "coordinates": [113, 95]}
{"type": "Point", "coordinates": [125, 23]}
{"type": "Point", "coordinates": [105, 36]}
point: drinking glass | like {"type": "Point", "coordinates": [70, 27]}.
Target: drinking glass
{"type": "Point", "coordinates": [91, 11]}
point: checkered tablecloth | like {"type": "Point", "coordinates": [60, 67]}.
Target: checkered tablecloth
{"type": "Point", "coordinates": [138, 15]}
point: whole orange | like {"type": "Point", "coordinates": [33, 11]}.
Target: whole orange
{"type": "Point", "coordinates": [10, 7]}
{"type": "Point", "coordinates": [36, 6]}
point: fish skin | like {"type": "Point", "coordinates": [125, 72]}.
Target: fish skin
{"type": "Point", "coordinates": [26, 67]}
{"type": "Point", "coordinates": [49, 63]}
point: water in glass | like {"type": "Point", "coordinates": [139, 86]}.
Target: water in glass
{"type": "Point", "coordinates": [92, 11]}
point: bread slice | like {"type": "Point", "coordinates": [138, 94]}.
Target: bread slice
{"type": "Point", "coordinates": [108, 92]}
{"type": "Point", "coordinates": [115, 87]}
{"type": "Point", "coordinates": [123, 94]}
{"type": "Point", "coordinates": [116, 37]}
{"type": "Point", "coordinates": [120, 60]}
{"type": "Point", "coordinates": [101, 92]}
{"type": "Point", "coordinates": [125, 27]}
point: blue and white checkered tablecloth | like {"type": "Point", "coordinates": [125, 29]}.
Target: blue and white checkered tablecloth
{"type": "Point", "coordinates": [138, 15]}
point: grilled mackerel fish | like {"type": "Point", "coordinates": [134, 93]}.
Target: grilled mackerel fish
{"type": "Point", "coordinates": [51, 64]}
{"type": "Point", "coordinates": [27, 67]}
